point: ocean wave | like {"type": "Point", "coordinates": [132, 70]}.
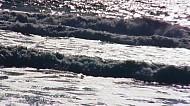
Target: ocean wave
{"type": "Point", "coordinates": [138, 31]}
{"type": "Point", "coordinates": [164, 74]}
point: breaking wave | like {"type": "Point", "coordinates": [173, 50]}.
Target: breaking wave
{"type": "Point", "coordinates": [164, 74]}
{"type": "Point", "coordinates": [138, 31]}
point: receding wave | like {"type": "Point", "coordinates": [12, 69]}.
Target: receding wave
{"type": "Point", "coordinates": [139, 31]}
{"type": "Point", "coordinates": [165, 74]}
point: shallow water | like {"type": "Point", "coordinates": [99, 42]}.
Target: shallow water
{"type": "Point", "coordinates": [94, 48]}
{"type": "Point", "coordinates": [29, 86]}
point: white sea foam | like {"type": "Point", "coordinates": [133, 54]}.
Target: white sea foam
{"type": "Point", "coordinates": [94, 48]}
{"type": "Point", "coordinates": [35, 87]}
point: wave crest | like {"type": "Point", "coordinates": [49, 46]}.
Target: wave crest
{"type": "Point", "coordinates": [139, 31]}
{"type": "Point", "coordinates": [164, 74]}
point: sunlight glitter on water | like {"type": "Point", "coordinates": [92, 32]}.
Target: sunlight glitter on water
{"type": "Point", "coordinates": [94, 48]}
{"type": "Point", "coordinates": [53, 87]}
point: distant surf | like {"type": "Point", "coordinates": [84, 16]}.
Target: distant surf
{"type": "Point", "coordinates": [138, 31]}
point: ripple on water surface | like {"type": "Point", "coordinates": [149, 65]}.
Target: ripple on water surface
{"type": "Point", "coordinates": [41, 87]}
{"type": "Point", "coordinates": [94, 48]}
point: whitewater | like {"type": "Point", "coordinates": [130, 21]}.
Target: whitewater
{"type": "Point", "coordinates": [95, 48]}
{"type": "Point", "coordinates": [30, 85]}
